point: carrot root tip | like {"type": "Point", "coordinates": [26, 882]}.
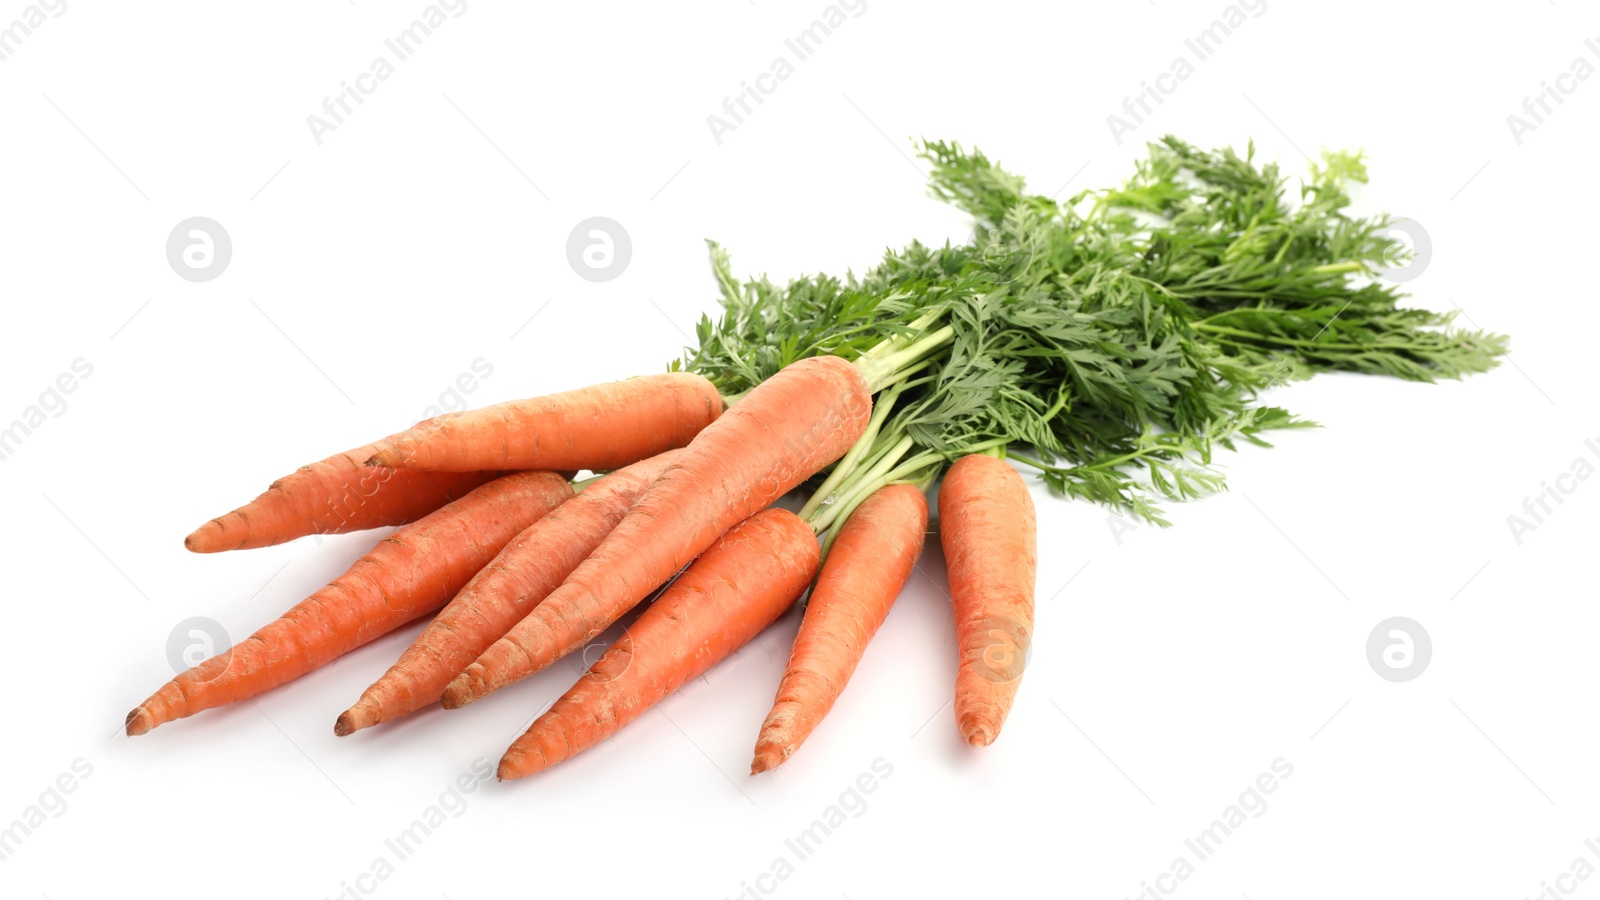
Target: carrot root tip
{"type": "Point", "coordinates": [767, 758]}
{"type": "Point", "coordinates": [138, 722]}
{"type": "Point", "coordinates": [457, 694]}
{"type": "Point", "coordinates": [202, 540]}
{"type": "Point", "coordinates": [978, 732]}
{"type": "Point", "coordinates": [347, 724]}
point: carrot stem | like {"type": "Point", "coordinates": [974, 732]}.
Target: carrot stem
{"type": "Point", "coordinates": [848, 498]}
{"type": "Point", "coordinates": [900, 377]}
{"type": "Point", "coordinates": [918, 350]}
{"type": "Point", "coordinates": [880, 365]}
{"type": "Point", "coordinates": [924, 467]}
{"type": "Point", "coordinates": [845, 466]}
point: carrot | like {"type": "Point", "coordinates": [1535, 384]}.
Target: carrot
{"type": "Point", "coordinates": [334, 496]}
{"type": "Point", "coordinates": [870, 562]}
{"type": "Point", "coordinates": [782, 432]}
{"type": "Point", "coordinates": [738, 587]}
{"type": "Point", "coordinates": [410, 573]}
{"type": "Point", "coordinates": [986, 525]}
{"type": "Point", "coordinates": [601, 427]}
{"type": "Point", "coordinates": [526, 571]}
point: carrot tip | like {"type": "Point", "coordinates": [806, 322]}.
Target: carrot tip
{"type": "Point", "coordinates": [508, 771]}
{"type": "Point", "coordinates": [770, 754]}
{"type": "Point", "coordinates": [978, 732]}
{"type": "Point", "coordinates": [138, 722]}
{"type": "Point", "coordinates": [347, 724]}
{"type": "Point", "coordinates": [457, 694]}
{"type": "Point", "coordinates": [765, 762]}
{"type": "Point", "coordinates": [199, 541]}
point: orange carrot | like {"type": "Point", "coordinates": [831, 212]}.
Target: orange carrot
{"type": "Point", "coordinates": [868, 565]}
{"type": "Point", "coordinates": [601, 427]}
{"type": "Point", "coordinates": [781, 433]}
{"type": "Point", "coordinates": [986, 525]}
{"type": "Point", "coordinates": [744, 582]}
{"type": "Point", "coordinates": [526, 571]}
{"type": "Point", "coordinates": [334, 496]}
{"type": "Point", "coordinates": [410, 573]}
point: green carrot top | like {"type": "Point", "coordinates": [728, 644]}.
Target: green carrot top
{"type": "Point", "coordinates": [1109, 341]}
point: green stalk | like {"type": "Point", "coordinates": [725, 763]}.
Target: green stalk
{"type": "Point", "coordinates": [922, 483]}
{"type": "Point", "coordinates": [847, 465]}
{"type": "Point", "coordinates": [881, 365]}
{"type": "Point", "coordinates": [875, 454]}
{"type": "Point", "coordinates": [826, 517]}
{"type": "Point", "coordinates": [927, 464]}
{"type": "Point", "coordinates": [1301, 342]}
{"type": "Point", "coordinates": [1336, 268]}
{"type": "Point", "coordinates": [890, 368]}
{"type": "Point", "coordinates": [903, 375]}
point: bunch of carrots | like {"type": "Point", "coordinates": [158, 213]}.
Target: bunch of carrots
{"type": "Point", "coordinates": [523, 568]}
{"type": "Point", "coordinates": [1085, 345]}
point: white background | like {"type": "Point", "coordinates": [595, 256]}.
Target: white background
{"type": "Point", "coordinates": [371, 270]}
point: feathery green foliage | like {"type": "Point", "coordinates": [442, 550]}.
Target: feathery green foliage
{"type": "Point", "coordinates": [1119, 336]}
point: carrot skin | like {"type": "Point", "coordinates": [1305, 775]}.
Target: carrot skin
{"type": "Point", "coordinates": [780, 434]}
{"type": "Point", "coordinates": [409, 574]}
{"type": "Point", "coordinates": [737, 588]}
{"type": "Point", "coordinates": [605, 426]}
{"type": "Point", "coordinates": [989, 535]}
{"type": "Point", "coordinates": [532, 565]}
{"type": "Point", "coordinates": [333, 496]}
{"type": "Point", "coordinates": [870, 562]}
